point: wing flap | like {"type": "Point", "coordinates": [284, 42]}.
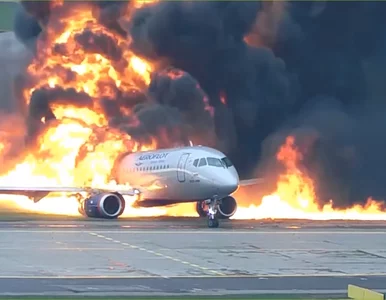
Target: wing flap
{"type": "Point", "coordinates": [251, 181]}
{"type": "Point", "coordinates": [37, 193]}
{"type": "Point", "coordinates": [21, 190]}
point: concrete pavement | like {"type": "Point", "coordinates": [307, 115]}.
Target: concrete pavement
{"type": "Point", "coordinates": [145, 257]}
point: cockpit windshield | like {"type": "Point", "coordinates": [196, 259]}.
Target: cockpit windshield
{"type": "Point", "coordinates": [202, 162]}
{"type": "Point", "coordinates": [227, 162]}
{"type": "Point", "coordinates": [215, 162]}
{"type": "Point", "coordinates": [210, 161]}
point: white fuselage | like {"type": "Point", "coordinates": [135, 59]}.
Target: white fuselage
{"type": "Point", "coordinates": [179, 175]}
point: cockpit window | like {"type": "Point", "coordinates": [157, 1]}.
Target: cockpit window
{"type": "Point", "coordinates": [202, 162]}
{"type": "Point", "coordinates": [227, 162]}
{"type": "Point", "coordinates": [195, 163]}
{"type": "Point", "coordinates": [214, 162]}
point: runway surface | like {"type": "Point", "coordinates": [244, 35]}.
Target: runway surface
{"type": "Point", "coordinates": [182, 256]}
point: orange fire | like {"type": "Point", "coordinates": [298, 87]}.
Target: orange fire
{"type": "Point", "coordinates": [79, 149]}
{"type": "Point", "coordinates": [295, 197]}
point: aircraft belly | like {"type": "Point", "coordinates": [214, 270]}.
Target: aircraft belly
{"type": "Point", "coordinates": [178, 191]}
{"type": "Point", "coordinates": [196, 187]}
{"type": "Point", "coordinates": [156, 187]}
{"type": "Point", "coordinates": [167, 186]}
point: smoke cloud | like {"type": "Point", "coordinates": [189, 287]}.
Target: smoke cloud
{"type": "Point", "coordinates": [206, 40]}
{"type": "Point", "coordinates": [252, 73]}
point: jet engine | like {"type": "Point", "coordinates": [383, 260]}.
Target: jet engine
{"type": "Point", "coordinates": [227, 208]}
{"type": "Point", "coordinates": [106, 206]}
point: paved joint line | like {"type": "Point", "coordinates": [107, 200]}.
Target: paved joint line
{"type": "Point", "coordinates": [254, 276]}
{"type": "Point", "coordinates": [158, 254]}
{"type": "Point", "coordinates": [305, 231]}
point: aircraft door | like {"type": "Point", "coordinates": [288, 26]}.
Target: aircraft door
{"type": "Point", "coordinates": [181, 167]}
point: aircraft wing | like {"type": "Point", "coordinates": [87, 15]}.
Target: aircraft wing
{"type": "Point", "coordinates": [251, 181]}
{"type": "Point", "coordinates": [37, 193]}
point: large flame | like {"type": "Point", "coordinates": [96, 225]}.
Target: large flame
{"type": "Point", "coordinates": [78, 148]}
{"type": "Point", "coordinates": [295, 197]}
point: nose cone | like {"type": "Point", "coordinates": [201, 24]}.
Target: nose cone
{"type": "Point", "coordinates": [231, 184]}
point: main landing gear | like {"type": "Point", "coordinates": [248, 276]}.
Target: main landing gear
{"type": "Point", "coordinates": [212, 212]}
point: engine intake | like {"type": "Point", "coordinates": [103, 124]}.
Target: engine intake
{"type": "Point", "coordinates": [227, 208]}
{"type": "Point", "coordinates": [107, 206]}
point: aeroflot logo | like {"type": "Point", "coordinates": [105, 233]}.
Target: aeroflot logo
{"type": "Point", "coordinates": [153, 156]}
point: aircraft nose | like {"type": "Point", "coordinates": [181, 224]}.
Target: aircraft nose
{"type": "Point", "coordinates": [231, 184]}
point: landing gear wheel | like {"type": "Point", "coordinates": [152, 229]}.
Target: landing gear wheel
{"type": "Point", "coordinates": [202, 209]}
{"type": "Point", "coordinates": [212, 212]}
{"type": "Point", "coordinates": [213, 223]}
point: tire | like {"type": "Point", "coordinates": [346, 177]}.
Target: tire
{"type": "Point", "coordinates": [213, 223]}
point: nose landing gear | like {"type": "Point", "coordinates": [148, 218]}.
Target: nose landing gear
{"type": "Point", "coordinates": [213, 223]}
{"type": "Point", "coordinates": [212, 213]}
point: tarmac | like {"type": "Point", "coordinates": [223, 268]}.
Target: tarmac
{"type": "Point", "coordinates": [181, 256]}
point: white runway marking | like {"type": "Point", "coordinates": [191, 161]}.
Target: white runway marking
{"type": "Point", "coordinates": [158, 254]}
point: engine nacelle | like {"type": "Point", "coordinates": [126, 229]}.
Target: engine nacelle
{"type": "Point", "coordinates": [107, 206]}
{"type": "Point", "coordinates": [227, 208]}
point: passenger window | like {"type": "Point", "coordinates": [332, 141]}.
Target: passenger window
{"type": "Point", "coordinates": [195, 163]}
{"type": "Point", "coordinates": [202, 162]}
{"type": "Point", "coordinates": [214, 162]}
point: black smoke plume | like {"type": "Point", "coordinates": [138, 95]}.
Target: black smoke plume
{"type": "Point", "coordinates": [314, 70]}
{"type": "Point", "coordinates": [206, 40]}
